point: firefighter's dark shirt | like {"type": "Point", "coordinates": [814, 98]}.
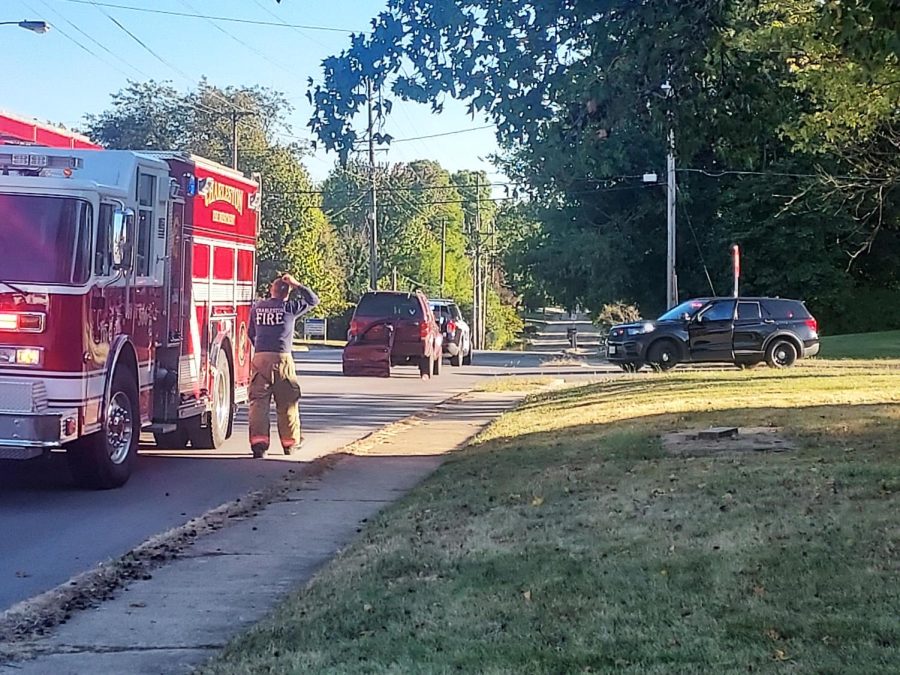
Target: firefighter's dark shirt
{"type": "Point", "coordinates": [272, 321]}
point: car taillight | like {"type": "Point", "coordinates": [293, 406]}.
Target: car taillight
{"type": "Point", "coordinates": [451, 327]}
{"type": "Point", "coordinates": [423, 330]}
{"type": "Point", "coordinates": [22, 322]}
{"type": "Point", "coordinates": [354, 327]}
{"type": "Point", "coordinates": [813, 324]}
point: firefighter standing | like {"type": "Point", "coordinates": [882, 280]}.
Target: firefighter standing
{"type": "Point", "coordinates": [272, 371]}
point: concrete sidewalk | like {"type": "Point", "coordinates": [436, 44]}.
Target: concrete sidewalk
{"type": "Point", "coordinates": [228, 580]}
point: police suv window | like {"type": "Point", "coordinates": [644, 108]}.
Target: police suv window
{"type": "Point", "coordinates": [748, 311]}
{"type": "Point", "coordinates": [720, 311]}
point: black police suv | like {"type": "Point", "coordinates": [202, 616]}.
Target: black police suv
{"type": "Point", "coordinates": [742, 331]}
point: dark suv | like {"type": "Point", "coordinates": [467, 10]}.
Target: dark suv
{"type": "Point", "coordinates": [413, 334]}
{"type": "Point", "coordinates": [742, 331]}
{"type": "Point", "coordinates": [457, 336]}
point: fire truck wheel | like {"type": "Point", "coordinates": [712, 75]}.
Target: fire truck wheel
{"type": "Point", "coordinates": [104, 460]}
{"type": "Point", "coordinates": [212, 432]}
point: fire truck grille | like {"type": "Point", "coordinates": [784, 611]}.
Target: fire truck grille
{"type": "Point", "coordinates": [23, 397]}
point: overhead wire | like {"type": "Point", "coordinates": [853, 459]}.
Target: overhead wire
{"type": "Point", "coordinates": [735, 172]}
{"type": "Point", "coordinates": [170, 96]}
{"type": "Point", "coordinates": [230, 19]}
{"type": "Point", "coordinates": [118, 58]}
{"type": "Point", "coordinates": [442, 134]}
{"type": "Point", "coordinates": [85, 48]}
{"type": "Point", "coordinates": [241, 42]}
{"type": "Point", "coordinates": [281, 22]}
{"type": "Point", "coordinates": [690, 223]}
{"type": "Point", "coordinates": [157, 56]}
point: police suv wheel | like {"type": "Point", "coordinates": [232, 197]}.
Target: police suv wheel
{"type": "Point", "coordinates": [663, 355]}
{"type": "Point", "coordinates": [781, 354]}
{"type": "Point", "coordinates": [104, 460]}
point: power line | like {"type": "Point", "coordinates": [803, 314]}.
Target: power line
{"type": "Point", "coordinates": [286, 25]}
{"type": "Point", "coordinates": [231, 19]}
{"type": "Point", "coordinates": [440, 135]}
{"type": "Point", "coordinates": [244, 44]}
{"type": "Point", "coordinates": [732, 172]}
{"type": "Point", "coordinates": [98, 43]}
{"type": "Point", "coordinates": [687, 215]}
{"type": "Point", "coordinates": [99, 6]}
{"type": "Point", "coordinates": [84, 48]}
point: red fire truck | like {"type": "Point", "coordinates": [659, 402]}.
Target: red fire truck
{"type": "Point", "coordinates": [126, 280]}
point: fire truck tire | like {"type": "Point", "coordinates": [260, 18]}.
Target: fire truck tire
{"type": "Point", "coordinates": [104, 460]}
{"type": "Point", "coordinates": [209, 434]}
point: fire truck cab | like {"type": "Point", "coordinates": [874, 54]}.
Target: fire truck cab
{"type": "Point", "coordinates": [126, 280]}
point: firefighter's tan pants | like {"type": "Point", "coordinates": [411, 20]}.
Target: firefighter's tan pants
{"type": "Point", "coordinates": [275, 375]}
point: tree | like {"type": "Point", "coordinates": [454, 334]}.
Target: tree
{"type": "Point", "coordinates": [417, 201]}
{"type": "Point", "coordinates": [148, 115]}
{"type": "Point", "coordinates": [574, 88]}
{"type": "Point", "coordinates": [294, 235]}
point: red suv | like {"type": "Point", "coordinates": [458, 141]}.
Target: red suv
{"type": "Point", "coordinates": [396, 328]}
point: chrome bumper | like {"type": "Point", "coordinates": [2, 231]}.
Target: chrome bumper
{"type": "Point", "coordinates": [28, 426]}
{"type": "Point", "coordinates": [25, 436]}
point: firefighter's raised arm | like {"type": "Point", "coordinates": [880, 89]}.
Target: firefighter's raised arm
{"type": "Point", "coordinates": [309, 297]}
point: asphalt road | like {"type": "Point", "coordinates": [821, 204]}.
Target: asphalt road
{"type": "Point", "coordinates": [51, 531]}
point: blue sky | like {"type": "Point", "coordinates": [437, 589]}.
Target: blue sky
{"type": "Point", "coordinates": [49, 77]}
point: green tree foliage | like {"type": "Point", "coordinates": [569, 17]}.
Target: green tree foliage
{"type": "Point", "coordinates": [294, 235]}
{"type": "Point", "coordinates": [773, 104]}
{"type": "Point", "coordinates": [415, 201]}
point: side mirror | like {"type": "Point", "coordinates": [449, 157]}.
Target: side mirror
{"type": "Point", "coordinates": [122, 238]}
{"type": "Point", "coordinates": [686, 317]}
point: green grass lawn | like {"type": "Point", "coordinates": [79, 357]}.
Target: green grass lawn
{"type": "Point", "coordinates": [568, 540]}
{"type": "Point", "coordinates": [884, 345]}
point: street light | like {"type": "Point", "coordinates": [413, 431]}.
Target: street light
{"type": "Point", "coordinates": [33, 26]}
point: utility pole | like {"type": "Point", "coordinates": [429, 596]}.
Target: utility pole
{"type": "Point", "coordinates": [443, 253]}
{"type": "Point", "coordinates": [236, 115]}
{"type": "Point", "coordinates": [671, 283]}
{"type": "Point", "coordinates": [234, 139]}
{"type": "Point", "coordinates": [671, 189]}
{"type": "Point", "coordinates": [373, 200]}
{"type": "Point", "coordinates": [394, 279]}
{"type": "Point", "coordinates": [479, 272]}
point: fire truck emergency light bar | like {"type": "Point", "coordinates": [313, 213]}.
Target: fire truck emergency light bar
{"type": "Point", "coordinates": [44, 165]}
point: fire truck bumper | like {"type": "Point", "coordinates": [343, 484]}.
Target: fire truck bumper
{"type": "Point", "coordinates": [29, 435]}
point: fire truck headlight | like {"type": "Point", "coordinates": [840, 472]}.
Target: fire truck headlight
{"type": "Point", "coordinates": [29, 356]}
